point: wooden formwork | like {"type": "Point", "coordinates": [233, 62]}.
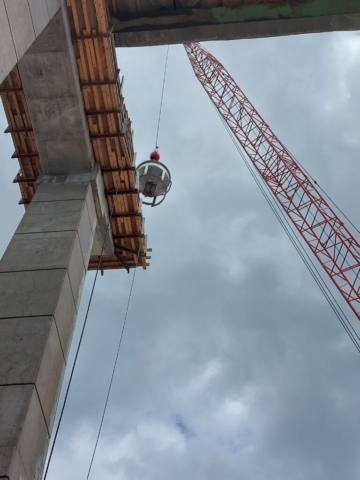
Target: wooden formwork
{"type": "Point", "coordinates": [109, 129]}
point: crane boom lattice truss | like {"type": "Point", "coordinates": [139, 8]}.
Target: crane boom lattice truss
{"type": "Point", "coordinates": [325, 234]}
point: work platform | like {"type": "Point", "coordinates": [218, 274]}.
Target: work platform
{"type": "Point", "coordinates": [109, 129]}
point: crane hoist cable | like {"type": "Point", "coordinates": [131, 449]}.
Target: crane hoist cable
{"type": "Point", "coordinates": [162, 97]}
{"type": "Point", "coordinates": [131, 288]}
{"type": "Point", "coordinates": [98, 269]}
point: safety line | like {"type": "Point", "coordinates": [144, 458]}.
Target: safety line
{"type": "Point", "coordinates": [83, 327]}
{"type": "Point", "coordinates": [162, 97]}
{"type": "Point", "coordinates": [114, 367]}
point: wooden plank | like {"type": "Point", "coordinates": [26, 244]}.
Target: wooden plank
{"type": "Point", "coordinates": [100, 9]}
{"type": "Point", "coordinates": [75, 17]}
{"type": "Point", "coordinates": [89, 61]}
{"type": "Point", "coordinates": [114, 6]}
{"type": "Point", "coordinates": [86, 17]}
{"type": "Point", "coordinates": [110, 61]}
{"type": "Point", "coordinates": [99, 59]}
{"type": "Point", "coordinates": [84, 74]}
{"type": "Point", "coordinates": [95, 62]}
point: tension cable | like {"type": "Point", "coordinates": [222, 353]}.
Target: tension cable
{"type": "Point", "coordinates": [114, 367]}
{"type": "Point", "coordinates": [288, 228]}
{"type": "Point", "coordinates": [99, 268]}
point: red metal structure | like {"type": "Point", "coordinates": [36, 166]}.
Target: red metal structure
{"type": "Point", "coordinates": [323, 231]}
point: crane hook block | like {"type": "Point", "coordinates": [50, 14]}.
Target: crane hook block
{"type": "Point", "coordinates": [153, 180]}
{"type": "Point", "coordinates": [155, 155]}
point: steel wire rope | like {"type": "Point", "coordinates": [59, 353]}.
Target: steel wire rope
{"type": "Point", "coordinates": [310, 265]}
{"type": "Point", "coordinates": [326, 195]}
{"type": "Point", "coordinates": [333, 303]}
{"type": "Point", "coordinates": [83, 327]}
{"type": "Point", "coordinates": [324, 192]}
{"type": "Point", "coordinates": [298, 246]}
{"type": "Point", "coordinates": [339, 210]}
{"type": "Point", "coordinates": [336, 206]}
{"type": "Point", "coordinates": [162, 97]}
{"type": "Point", "coordinates": [346, 262]}
{"type": "Point", "coordinates": [114, 367]}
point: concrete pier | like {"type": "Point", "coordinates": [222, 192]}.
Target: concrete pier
{"type": "Point", "coordinates": [41, 278]}
{"type": "Point", "coordinates": [51, 84]}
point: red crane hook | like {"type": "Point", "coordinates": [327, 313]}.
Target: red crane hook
{"type": "Point", "coordinates": [155, 155]}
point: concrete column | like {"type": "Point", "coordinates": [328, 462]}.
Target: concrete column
{"type": "Point", "coordinates": [50, 79]}
{"type": "Point", "coordinates": [41, 278]}
{"type": "Point", "coordinates": [21, 21]}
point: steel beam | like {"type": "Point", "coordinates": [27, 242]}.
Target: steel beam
{"type": "Point", "coordinates": [266, 19]}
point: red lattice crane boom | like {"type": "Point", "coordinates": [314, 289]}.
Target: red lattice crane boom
{"type": "Point", "coordinates": [325, 234]}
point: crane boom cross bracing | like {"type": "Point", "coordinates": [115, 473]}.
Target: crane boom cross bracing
{"type": "Point", "coordinates": [326, 235]}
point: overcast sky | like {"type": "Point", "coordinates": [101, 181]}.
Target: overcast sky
{"type": "Point", "coordinates": [233, 366]}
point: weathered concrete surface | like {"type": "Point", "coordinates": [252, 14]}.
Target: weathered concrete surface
{"type": "Point", "coordinates": [50, 80]}
{"type": "Point", "coordinates": [19, 458]}
{"type": "Point", "coordinates": [20, 23]}
{"type": "Point", "coordinates": [98, 208]}
{"type": "Point", "coordinates": [168, 26]}
{"type": "Point", "coordinates": [51, 84]}
{"type": "Point", "coordinates": [41, 278]}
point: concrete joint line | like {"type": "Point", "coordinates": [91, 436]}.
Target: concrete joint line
{"type": "Point", "coordinates": [27, 316]}
{"type": "Point", "coordinates": [71, 288]}
{"type": "Point", "coordinates": [12, 36]}
{"type": "Point", "coordinates": [65, 267]}
{"type": "Point", "coordinates": [45, 316]}
{"type": "Point", "coordinates": [61, 231]}
{"type": "Point", "coordinates": [82, 253]}
{"type": "Point", "coordinates": [58, 200]}
{"type": "Point", "coordinates": [18, 384]}
{"type": "Point", "coordinates": [32, 20]}
{"type": "Point", "coordinates": [37, 269]}
{"type": "Point", "coordinates": [58, 334]}
{"type": "Point", "coordinates": [42, 411]}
